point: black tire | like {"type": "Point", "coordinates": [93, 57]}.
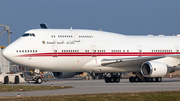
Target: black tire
{"type": "Point", "coordinates": [131, 79]}
{"type": "Point", "coordinates": [146, 79]}
{"type": "Point", "coordinates": [136, 79]}
{"type": "Point", "coordinates": [38, 80]}
{"type": "Point", "coordinates": [158, 79]}
{"type": "Point", "coordinates": [154, 79]}
{"type": "Point", "coordinates": [112, 80]}
{"type": "Point", "coordinates": [6, 80]}
{"type": "Point", "coordinates": [94, 77]}
{"type": "Point", "coordinates": [107, 79]}
{"type": "Point", "coordinates": [16, 79]}
{"type": "Point", "coordinates": [117, 80]}
{"type": "Point", "coordinates": [150, 79]}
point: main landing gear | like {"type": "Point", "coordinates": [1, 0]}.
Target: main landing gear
{"type": "Point", "coordinates": [112, 77]}
{"type": "Point", "coordinates": [115, 78]}
{"type": "Point", "coordinates": [145, 79]}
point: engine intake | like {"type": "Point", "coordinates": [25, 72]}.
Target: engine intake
{"type": "Point", "coordinates": [153, 69]}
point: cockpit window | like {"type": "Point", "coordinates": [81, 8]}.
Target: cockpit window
{"type": "Point", "coordinates": [28, 34]}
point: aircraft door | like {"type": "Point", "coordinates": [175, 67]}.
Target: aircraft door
{"type": "Point", "coordinates": [94, 49]}
{"type": "Point", "coordinates": [139, 50]}
{"type": "Point", "coordinates": [54, 51]}
{"type": "Point", "coordinates": [176, 49]}
{"type": "Point", "coordinates": [75, 36]}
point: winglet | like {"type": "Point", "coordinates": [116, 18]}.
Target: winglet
{"type": "Point", "coordinates": [43, 26]}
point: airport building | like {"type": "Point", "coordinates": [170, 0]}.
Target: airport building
{"type": "Point", "coordinates": [4, 64]}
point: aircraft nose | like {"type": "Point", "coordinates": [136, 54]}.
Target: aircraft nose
{"type": "Point", "coordinates": [7, 53]}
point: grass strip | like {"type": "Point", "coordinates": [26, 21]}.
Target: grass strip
{"type": "Point", "coordinates": [134, 96]}
{"type": "Point", "coordinates": [14, 88]}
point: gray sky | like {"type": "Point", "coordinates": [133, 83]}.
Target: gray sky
{"type": "Point", "coordinates": [130, 17]}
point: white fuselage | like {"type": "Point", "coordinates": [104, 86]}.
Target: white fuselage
{"type": "Point", "coordinates": [66, 50]}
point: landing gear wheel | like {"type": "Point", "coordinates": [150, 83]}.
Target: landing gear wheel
{"type": "Point", "coordinates": [131, 79]}
{"type": "Point", "coordinates": [6, 80]}
{"type": "Point", "coordinates": [158, 79]}
{"type": "Point", "coordinates": [107, 80]}
{"type": "Point", "coordinates": [39, 80]}
{"type": "Point", "coordinates": [16, 80]}
{"type": "Point", "coordinates": [146, 79]}
{"type": "Point", "coordinates": [136, 79]}
{"type": "Point", "coordinates": [153, 79]}
{"type": "Point", "coordinates": [112, 79]}
{"type": "Point", "coordinates": [117, 80]}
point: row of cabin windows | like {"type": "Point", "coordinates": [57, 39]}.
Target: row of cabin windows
{"type": "Point", "coordinates": [26, 51]}
{"type": "Point", "coordinates": [35, 51]}
{"type": "Point", "coordinates": [70, 36]}
{"type": "Point", "coordinates": [85, 51]}
{"type": "Point", "coordinates": [163, 50]}
{"type": "Point", "coordinates": [119, 51]}
{"type": "Point", "coordinates": [70, 51]}
{"type": "Point", "coordinates": [65, 36]}
{"type": "Point", "coordinates": [85, 36]}
{"type": "Point", "coordinates": [101, 51]}
{"type": "Point", "coordinates": [62, 36]}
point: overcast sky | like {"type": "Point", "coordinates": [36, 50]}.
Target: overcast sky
{"type": "Point", "coordinates": [129, 17]}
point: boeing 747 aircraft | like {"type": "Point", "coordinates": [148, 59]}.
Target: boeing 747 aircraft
{"type": "Point", "coordinates": [79, 50]}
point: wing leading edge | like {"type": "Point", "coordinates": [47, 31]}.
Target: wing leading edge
{"type": "Point", "coordinates": [127, 62]}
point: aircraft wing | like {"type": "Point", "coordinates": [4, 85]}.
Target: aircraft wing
{"type": "Point", "coordinates": [127, 62]}
{"type": "Point", "coordinates": [174, 56]}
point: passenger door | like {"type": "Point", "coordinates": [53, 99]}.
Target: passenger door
{"type": "Point", "coordinates": [94, 49]}
{"type": "Point", "coordinates": [75, 36]}
{"type": "Point", "coordinates": [176, 49]}
{"type": "Point", "coordinates": [139, 49]}
{"type": "Point", "coordinates": [54, 51]}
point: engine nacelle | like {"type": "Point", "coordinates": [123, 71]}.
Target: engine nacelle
{"type": "Point", "coordinates": [153, 69]}
{"type": "Point", "coordinates": [63, 74]}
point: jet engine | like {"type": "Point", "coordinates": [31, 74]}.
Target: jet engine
{"type": "Point", "coordinates": [63, 74]}
{"type": "Point", "coordinates": [153, 69]}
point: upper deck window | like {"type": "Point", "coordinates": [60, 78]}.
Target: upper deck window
{"type": "Point", "coordinates": [28, 34]}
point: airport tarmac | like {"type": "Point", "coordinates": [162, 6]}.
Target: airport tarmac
{"type": "Point", "coordinates": [98, 86]}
